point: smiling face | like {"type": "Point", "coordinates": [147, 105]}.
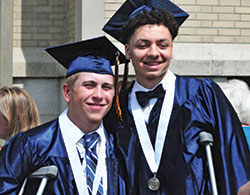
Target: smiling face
{"type": "Point", "coordinates": [150, 50]}
{"type": "Point", "coordinates": [89, 99]}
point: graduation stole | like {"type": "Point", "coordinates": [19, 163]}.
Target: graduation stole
{"type": "Point", "coordinates": [162, 126]}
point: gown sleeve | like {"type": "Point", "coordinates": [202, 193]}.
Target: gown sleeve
{"type": "Point", "coordinates": [16, 159]}
{"type": "Point", "coordinates": [210, 111]}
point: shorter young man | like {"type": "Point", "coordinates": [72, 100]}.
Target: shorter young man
{"type": "Point", "coordinates": [76, 142]}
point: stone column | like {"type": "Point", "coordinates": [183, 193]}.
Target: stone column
{"type": "Point", "coordinates": [89, 18]}
{"type": "Point", "coordinates": [6, 42]}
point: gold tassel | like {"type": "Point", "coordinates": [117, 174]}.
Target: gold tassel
{"type": "Point", "coordinates": [117, 105]}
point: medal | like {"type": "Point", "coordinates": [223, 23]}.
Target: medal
{"type": "Point", "coordinates": [154, 183]}
{"type": "Point", "coordinates": [153, 156]}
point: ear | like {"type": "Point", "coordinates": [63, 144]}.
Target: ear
{"type": "Point", "coordinates": [66, 92]}
{"type": "Point", "coordinates": [127, 51]}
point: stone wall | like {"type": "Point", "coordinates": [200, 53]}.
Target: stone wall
{"type": "Point", "coordinates": [39, 23]}
{"type": "Point", "coordinates": [214, 42]}
{"type": "Point", "coordinates": [210, 21]}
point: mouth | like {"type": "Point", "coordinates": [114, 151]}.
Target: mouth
{"type": "Point", "coordinates": [153, 63]}
{"type": "Point", "coordinates": [96, 106]}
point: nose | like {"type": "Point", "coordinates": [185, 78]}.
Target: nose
{"type": "Point", "coordinates": [97, 94]}
{"type": "Point", "coordinates": [153, 51]}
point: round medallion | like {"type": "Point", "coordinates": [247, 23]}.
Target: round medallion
{"type": "Point", "coordinates": [154, 183]}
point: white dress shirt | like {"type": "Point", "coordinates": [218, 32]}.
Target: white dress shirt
{"type": "Point", "coordinates": [72, 138]}
{"type": "Point", "coordinates": [147, 109]}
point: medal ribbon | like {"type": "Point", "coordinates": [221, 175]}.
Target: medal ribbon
{"type": "Point", "coordinates": [162, 126]}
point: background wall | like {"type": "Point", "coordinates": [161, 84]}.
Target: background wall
{"type": "Point", "coordinates": [210, 21]}
{"type": "Point", "coordinates": [214, 42]}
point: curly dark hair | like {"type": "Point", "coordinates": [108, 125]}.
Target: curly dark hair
{"type": "Point", "coordinates": [155, 16]}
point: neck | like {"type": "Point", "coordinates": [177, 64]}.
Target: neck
{"type": "Point", "coordinates": [150, 83]}
{"type": "Point", "coordinates": [85, 126]}
{"type": "Point", "coordinates": [89, 128]}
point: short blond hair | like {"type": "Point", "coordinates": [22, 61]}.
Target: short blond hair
{"type": "Point", "coordinates": [71, 80]}
{"type": "Point", "coordinates": [19, 109]}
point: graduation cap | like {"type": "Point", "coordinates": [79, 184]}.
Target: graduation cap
{"type": "Point", "coordinates": [131, 8]}
{"type": "Point", "coordinates": [92, 55]}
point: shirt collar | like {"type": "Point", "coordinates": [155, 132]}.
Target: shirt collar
{"type": "Point", "coordinates": [138, 87]}
{"type": "Point", "coordinates": [75, 133]}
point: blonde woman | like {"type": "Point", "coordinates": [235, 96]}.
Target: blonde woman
{"type": "Point", "coordinates": [18, 112]}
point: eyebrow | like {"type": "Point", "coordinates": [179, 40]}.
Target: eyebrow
{"type": "Point", "coordinates": [94, 82]}
{"type": "Point", "coordinates": [148, 41]}
{"type": "Point", "coordinates": [88, 81]}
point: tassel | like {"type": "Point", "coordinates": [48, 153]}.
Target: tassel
{"type": "Point", "coordinates": [125, 77]}
{"type": "Point", "coordinates": [117, 102]}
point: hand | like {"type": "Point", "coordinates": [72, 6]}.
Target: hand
{"type": "Point", "coordinates": [245, 189]}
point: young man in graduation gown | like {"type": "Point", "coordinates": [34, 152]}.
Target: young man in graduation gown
{"type": "Point", "coordinates": [88, 91]}
{"type": "Point", "coordinates": [158, 137]}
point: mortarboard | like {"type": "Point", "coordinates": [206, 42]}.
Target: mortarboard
{"type": "Point", "coordinates": [92, 55]}
{"type": "Point", "coordinates": [131, 7]}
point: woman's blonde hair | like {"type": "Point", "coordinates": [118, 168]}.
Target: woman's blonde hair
{"type": "Point", "coordinates": [19, 109]}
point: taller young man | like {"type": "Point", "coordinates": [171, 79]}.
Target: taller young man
{"type": "Point", "coordinates": [158, 135]}
{"type": "Point", "coordinates": [76, 142]}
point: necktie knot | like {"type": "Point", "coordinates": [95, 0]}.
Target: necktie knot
{"type": "Point", "coordinates": [144, 97]}
{"type": "Point", "coordinates": [90, 141]}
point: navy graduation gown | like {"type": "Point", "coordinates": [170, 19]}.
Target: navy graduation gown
{"type": "Point", "coordinates": [42, 146]}
{"type": "Point", "coordinates": [199, 105]}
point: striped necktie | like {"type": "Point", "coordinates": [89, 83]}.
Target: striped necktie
{"type": "Point", "coordinates": [90, 142]}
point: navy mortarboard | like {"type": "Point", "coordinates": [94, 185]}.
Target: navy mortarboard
{"type": "Point", "coordinates": [131, 8]}
{"type": "Point", "coordinates": [92, 55]}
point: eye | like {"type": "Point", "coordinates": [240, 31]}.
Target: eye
{"type": "Point", "coordinates": [88, 85]}
{"type": "Point", "coordinates": [141, 46]}
{"type": "Point", "coordinates": [164, 45]}
{"type": "Point", "coordinates": [107, 87]}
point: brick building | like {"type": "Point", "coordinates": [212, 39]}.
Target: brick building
{"type": "Point", "coordinates": [214, 42]}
